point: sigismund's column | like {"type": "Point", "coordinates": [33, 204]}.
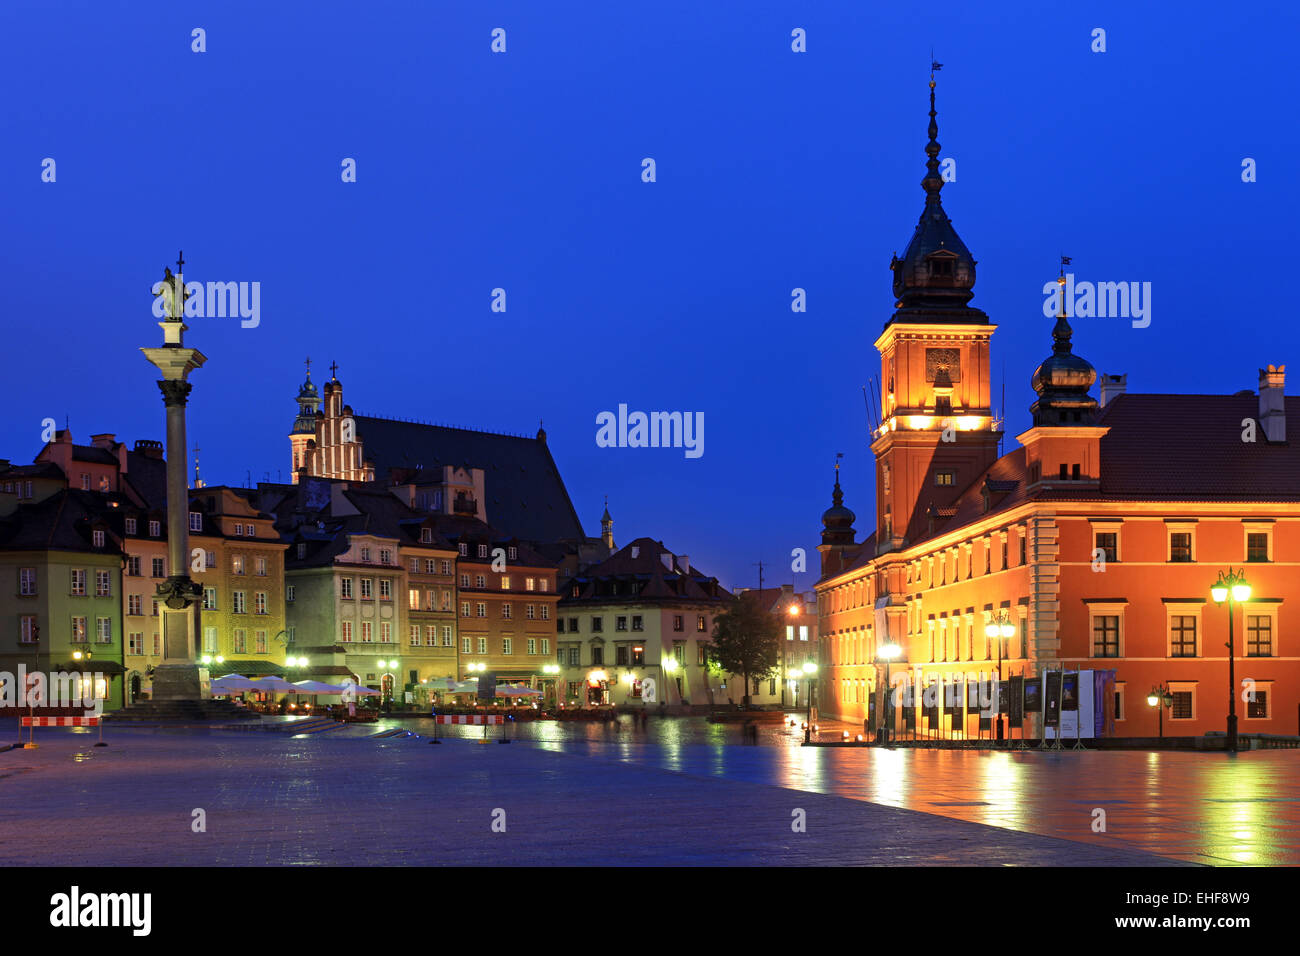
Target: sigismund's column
{"type": "Point", "coordinates": [179, 676]}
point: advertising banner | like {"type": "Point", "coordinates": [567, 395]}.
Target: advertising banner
{"type": "Point", "coordinates": [1052, 700]}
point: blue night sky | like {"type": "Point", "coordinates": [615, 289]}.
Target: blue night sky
{"type": "Point", "coordinates": [477, 170]}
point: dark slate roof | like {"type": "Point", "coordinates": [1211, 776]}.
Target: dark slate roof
{"type": "Point", "coordinates": [92, 453]}
{"type": "Point", "coordinates": [61, 522]}
{"type": "Point", "coordinates": [148, 478]}
{"type": "Point", "coordinates": [1189, 447]}
{"type": "Point", "coordinates": [642, 578]}
{"type": "Point", "coordinates": [525, 493]}
{"type": "Point", "coordinates": [40, 469]}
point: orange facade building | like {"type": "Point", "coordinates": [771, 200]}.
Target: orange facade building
{"type": "Point", "coordinates": [1095, 542]}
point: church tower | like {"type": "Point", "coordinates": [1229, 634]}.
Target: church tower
{"type": "Point", "coordinates": [937, 434]}
{"type": "Point", "coordinates": [837, 531]}
{"type": "Point", "coordinates": [304, 426]}
{"type": "Point", "coordinates": [607, 529]}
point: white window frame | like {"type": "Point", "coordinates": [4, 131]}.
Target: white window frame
{"type": "Point", "coordinates": [1179, 527]}
{"type": "Point", "coordinates": [1110, 610]}
{"type": "Point", "coordinates": [1185, 610]}
{"type": "Point", "coordinates": [1257, 527]}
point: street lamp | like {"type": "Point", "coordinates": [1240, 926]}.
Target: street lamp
{"type": "Point", "coordinates": [1160, 697]}
{"type": "Point", "coordinates": [1000, 630]}
{"type": "Point", "coordinates": [1231, 587]}
{"type": "Point", "coordinates": [551, 670]}
{"type": "Point", "coordinates": [669, 668]}
{"type": "Point", "coordinates": [809, 669]}
{"type": "Point", "coordinates": [888, 653]}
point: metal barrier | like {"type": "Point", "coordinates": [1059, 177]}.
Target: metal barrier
{"type": "Point", "coordinates": [31, 723]}
{"type": "Point", "coordinates": [471, 719]}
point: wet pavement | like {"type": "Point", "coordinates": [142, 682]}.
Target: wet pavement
{"type": "Point", "coordinates": [678, 792]}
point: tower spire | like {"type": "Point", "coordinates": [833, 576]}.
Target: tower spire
{"type": "Point", "coordinates": [933, 182]}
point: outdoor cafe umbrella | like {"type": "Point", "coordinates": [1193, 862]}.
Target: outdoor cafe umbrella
{"type": "Point", "coordinates": [317, 687]}
{"type": "Point", "coordinates": [232, 684]}
{"type": "Point", "coordinates": [511, 690]}
{"type": "Point", "coordinates": [273, 684]}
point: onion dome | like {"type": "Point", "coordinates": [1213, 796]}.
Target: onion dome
{"type": "Point", "coordinates": [308, 403]}
{"type": "Point", "coordinates": [837, 520]}
{"type": "Point", "coordinates": [1062, 382]}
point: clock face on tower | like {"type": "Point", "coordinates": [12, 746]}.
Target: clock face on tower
{"type": "Point", "coordinates": [949, 359]}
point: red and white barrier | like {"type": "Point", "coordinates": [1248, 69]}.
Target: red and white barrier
{"type": "Point", "coordinates": [474, 719]}
{"type": "Point", "coordinates": [33, 722]}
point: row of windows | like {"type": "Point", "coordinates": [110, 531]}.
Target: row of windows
{"type": "Point", "coordinates": [239, 643]}
{"type": "Point", "coordinates": [1181, 549]}
{"type": "Point", "coordinates": [155, 527]}
{"type": "Point", "coordinates": [530, 584]}
{"type": "Point", "coordinates": [23, 488]}
{"type": "Point", "coordinates": [512, 553]}
{"type": "Point", "coordinates": [531, 611]}
{"type": "Point", "coordinates": [427, 636]}
{"type": "Point", "coordinates": [1183, 637]}
{"type": "Point", "coordinates": [77, 582]}
{"type": "Point", "coordinates": [625, 655]}
{"type": "Point", "coordinates": [507, 645]}
{"type": "Point", "coordinates": [431, 602]}
{"type": "Point", "coordinates": [621, 624]}
{"type": "Point", "coordinates": [29, 629]}
{"type": "Point", "coordinates": [430, 565]}
{"type": "Point", "coordinates": [367, 589]}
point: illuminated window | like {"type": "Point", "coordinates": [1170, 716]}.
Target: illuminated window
{"type": "Point", "coordinates": [1257, 546]}
{"type": "Point", "coordinates": [1182, 635]}
{"type": "Point", "coordinates": [1259, 635]}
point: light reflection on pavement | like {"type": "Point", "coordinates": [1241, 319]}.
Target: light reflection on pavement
{"type": "Point", "coordinates": [1201, 807]}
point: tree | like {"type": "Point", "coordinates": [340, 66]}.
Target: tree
{"type": "Point", "coordinates": [746, 641]}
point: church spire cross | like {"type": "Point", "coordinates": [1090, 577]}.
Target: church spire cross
{"type": "Point", "coordinates": [334, 370]}
{"type": "Point", "coordinates": [180, 261]}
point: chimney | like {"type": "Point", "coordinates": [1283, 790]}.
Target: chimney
{"type": "Point", "coordinates": [1272, 402]}
{"type": "Point", "coordinates": [106, 440]}
{"type": "Point", "coordinates": [684, 563]}
{"type": "Point", "coordinates": [1112, 387]}
{"type": "Point", "coordinates": [667, 558]}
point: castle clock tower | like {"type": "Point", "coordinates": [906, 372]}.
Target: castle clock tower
{"type": "Point", "coordinates": [938, 434]}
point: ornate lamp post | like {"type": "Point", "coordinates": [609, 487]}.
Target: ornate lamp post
{"type": "Point", "coordinates": [179, 676]}
{"type": "Point", "coordinates": [1160, 697]}
{"type": "Point", "coordinates": [1231, 586]}
{"type": "Point", "coordinates": [999, 631]}
{"type": "Point", "coordinates": [809, 669]}
{"type": "Point", "coordinates": [888, 653]}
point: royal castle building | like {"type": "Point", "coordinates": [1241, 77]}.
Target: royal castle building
{"type": "Point", "coordinates": [1094, 542]}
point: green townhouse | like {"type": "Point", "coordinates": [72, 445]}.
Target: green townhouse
{"type": "Point", "coordinates": [61, 585]}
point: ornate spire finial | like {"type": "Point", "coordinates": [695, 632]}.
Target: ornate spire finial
{"type": "Point", "coordinates": [933, 182]}
{"type": "Point", "coordinates": [1061, 332]}
{"type": "Point", "coordinates": [334, 371]}
{"type": "Point", "coordinates": [180, 261]}
{"type": "Point", "coordinates": [309, 368]}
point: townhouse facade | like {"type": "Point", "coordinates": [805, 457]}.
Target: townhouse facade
{"type": "Point", "coordinates": [636, 626]}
